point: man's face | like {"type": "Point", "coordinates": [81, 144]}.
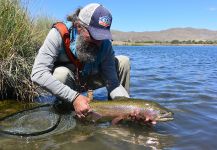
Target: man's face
{"type": "Point", "coordinates": [87, 48]}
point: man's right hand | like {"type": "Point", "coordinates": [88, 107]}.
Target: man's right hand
{"type": "Point", "coordinates": [81, 106]}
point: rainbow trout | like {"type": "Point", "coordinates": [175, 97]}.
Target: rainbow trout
{"type": "Point", "coordinates": [128, 109]}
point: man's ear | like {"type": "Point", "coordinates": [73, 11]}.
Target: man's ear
{"type": "Point", "coordinates": [78, 26]}
{"type": "Point", "coordinates": [75, 24]}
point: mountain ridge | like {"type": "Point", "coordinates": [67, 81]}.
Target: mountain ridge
{"type": "Point", "coordinates": [181, 34]}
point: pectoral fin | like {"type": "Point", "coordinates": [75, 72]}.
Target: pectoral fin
{"type": "Point", "coordinates": [117, 119]}
{"type": "Point", "coordinates": [94, 116]}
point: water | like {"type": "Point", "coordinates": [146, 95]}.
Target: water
{"type": "Point", "coordinates": [182, 78]}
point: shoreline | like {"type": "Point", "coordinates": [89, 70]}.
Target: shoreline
{"type": "Point", "coordinates": [157, 44]}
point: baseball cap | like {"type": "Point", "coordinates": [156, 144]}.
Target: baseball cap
{"type": "Point", "coordinates": [98, 19]}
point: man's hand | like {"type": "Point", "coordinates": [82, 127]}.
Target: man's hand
{"type": "Point", "coordinates": [81, 106]}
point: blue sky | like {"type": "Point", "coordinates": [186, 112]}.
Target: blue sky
{"type": "Point", "coordinates": [141, 15]}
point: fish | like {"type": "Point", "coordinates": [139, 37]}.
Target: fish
{"type": "Point", "coordinates": [128, 109]}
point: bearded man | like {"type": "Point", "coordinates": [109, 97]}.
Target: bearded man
{"type": "Point", "coordinates": [90, 44]}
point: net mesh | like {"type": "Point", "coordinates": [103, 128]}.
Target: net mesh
{"type": "Point", "coordinates": [36, 121]}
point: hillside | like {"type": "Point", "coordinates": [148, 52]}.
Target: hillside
{"type": "Point", "coordinates": [181, 34]}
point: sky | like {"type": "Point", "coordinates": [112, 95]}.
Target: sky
{"type": "Point", "coordinates": [140, 15]}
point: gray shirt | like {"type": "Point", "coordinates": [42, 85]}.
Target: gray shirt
{"type": "Point", "coordinates": [49, 53]}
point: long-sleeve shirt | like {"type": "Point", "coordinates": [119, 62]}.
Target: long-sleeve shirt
{"type": "Point", "coordinates": [50, 53]}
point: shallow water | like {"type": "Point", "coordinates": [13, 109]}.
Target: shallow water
{"type": "Point", "coordinates": [182, 78]}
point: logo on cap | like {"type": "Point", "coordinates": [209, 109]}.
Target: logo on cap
{"type": "Point", "coordinates": [105, 21]}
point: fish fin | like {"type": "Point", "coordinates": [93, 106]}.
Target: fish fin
{"type": "Point", "coordinates": [94, 116]}
{"type": "Point", "coordinates": [117, 119]}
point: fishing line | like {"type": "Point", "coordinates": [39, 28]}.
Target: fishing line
{"type": "Point", "coordinates": [21, 114]}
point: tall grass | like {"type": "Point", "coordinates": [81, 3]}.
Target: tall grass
{"type": "Point", "coordinates": [20, 38]}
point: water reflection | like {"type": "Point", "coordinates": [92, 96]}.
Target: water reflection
{"type": "Point", "coordinates": [96, 136]}
{"type": "Point", "coordinates": [141, 137]}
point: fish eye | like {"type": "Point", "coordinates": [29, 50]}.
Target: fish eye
{"type": "Point", "coordinates": [163, 112]}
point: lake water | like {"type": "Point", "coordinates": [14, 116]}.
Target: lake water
{"type": "Point", "coordinates": [181, 78]}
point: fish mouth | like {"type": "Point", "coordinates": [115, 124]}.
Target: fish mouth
{"type": "Point", "coordinates": [165, 117]}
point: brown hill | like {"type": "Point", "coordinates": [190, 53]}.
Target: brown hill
{"type": "Point", "coordinates": [181, 34]}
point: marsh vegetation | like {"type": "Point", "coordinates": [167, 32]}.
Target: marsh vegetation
{"type": "Point", "coordinates": [20, 38]}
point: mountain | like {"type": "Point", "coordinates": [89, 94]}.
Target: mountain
{"type": "Point", "coordinates": [181, 34]}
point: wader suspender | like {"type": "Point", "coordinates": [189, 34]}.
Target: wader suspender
{"type": "Point", "coordinates": [64, 32]}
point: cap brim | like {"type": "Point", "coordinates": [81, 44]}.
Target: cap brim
{"type": "Point", "coordinates": [100, 33]}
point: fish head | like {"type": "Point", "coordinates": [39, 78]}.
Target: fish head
{"type": "Point", "coordinates": [157, 112]}
{"type": "Point", "coordinates": [164, 115]}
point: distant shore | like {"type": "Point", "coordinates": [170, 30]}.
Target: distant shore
{"type": "Point", "coordinates": [122, 43]}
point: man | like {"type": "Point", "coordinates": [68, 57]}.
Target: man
{"type": "Point", "coordinates": [90, 43]}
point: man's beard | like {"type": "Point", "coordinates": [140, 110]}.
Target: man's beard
{"type": "Point", "coordinates": [86, 52]}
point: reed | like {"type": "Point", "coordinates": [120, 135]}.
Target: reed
{"type": "Point", "coordinates": [20, 38]}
